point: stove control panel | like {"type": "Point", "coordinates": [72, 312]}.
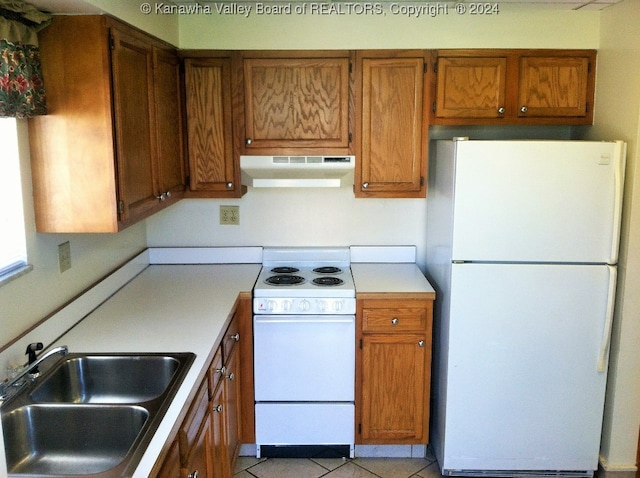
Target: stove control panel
{"type": "Point", "coordinates": [306, 306]}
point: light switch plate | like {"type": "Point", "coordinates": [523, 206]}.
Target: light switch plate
{"type": "Point", "coordinates": [230, 215]}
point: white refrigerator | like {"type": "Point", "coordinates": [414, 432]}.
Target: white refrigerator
{"type": "Point", "coordinates": [522, 246]}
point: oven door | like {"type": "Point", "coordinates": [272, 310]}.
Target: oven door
{"type": "Point", "coordinates": [304, 358]}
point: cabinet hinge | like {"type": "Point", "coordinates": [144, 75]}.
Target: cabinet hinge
{"type": "Point", "coordinates": [350, 137]}
{"type": "Point", "coordinates": [587, 107]}
{"type": "Point", "coordinates": [112, 42]}
{"type": "Point", "coordinates": [350, 67]}
{"type": "Point", "coordinates": [359, 428]}
{"type": "Point", "coordinates": [120, 206]}
{"type": "Point", "coordinates": [589, 67]}
{"type": "Point", "coordinates": [425, 68]}
{"type": "Point", "coordinates": [435, 67]}
{"type": "Point", "coordinates": [421, 180]}
{"type": "Point", "coordinates": [433, 107]}
{"type": "Point", "coordinates": [360, 343]}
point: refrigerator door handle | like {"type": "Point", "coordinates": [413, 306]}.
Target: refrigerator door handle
{"type": "Point", "coordinates": [618, 178]}
{"type": "Point", "coordinates": [606, 336]}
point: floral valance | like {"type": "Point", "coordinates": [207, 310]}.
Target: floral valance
{"type": "Point", "coordinates": [21, 86]}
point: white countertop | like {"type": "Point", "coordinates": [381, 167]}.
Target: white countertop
{"type": "Point", "coordinates": [167, 308]}
{"type": "Point", "coordinates": [184, 308]}
{"type": "Point", "coordinates": [390, 278]}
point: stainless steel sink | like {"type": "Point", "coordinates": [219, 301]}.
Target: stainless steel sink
{"type": "Point", "coordinates": [90, 414]}
{"type": "Point", "coordinates": [70, 439]}
{"type": "Point", "coordinates": [102, 379]}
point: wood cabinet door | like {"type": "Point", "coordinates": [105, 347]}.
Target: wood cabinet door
{"type": "Point", "coordinates": [212, 166]}
{"type": "Point", "coordinates": [171, 465]}
{"type": "Point", "coordinates": [231, 398]}
{"type": "Point", "coordinates": [471, 87]}
{"type": "Point", "coordinates": [132, 70]}
{"type": "Point", "coordinates": [553, 86]}
{"type": "Point", "coordinates": [392, 160]}
{"type": "Point", "coordinates": [219, 460]}
{"type": "Point", "coordinates": [296, 103]}
{"type": "Point", "coordinates": [200, 460]}
{"type": "Point", "coordinates": [395, 401]}
{"type": "Point", "coordinates": [168, 126]}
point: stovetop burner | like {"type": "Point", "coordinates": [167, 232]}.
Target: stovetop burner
{"type": "Point", "coordinates": [327, 281]}
{"type": "Point", "coordinates": [284, 270]}
{"type": "Point", "coordinates": [327, 270]}
{"type": "Point", "coordinates": [285, 279]}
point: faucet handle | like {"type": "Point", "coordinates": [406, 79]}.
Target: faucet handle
{"type": "Point", "coordinates": [32, 349]}
{"type": "Point", "coordinates": [31, 352]}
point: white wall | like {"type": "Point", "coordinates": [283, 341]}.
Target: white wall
{"type": "Point", "coordinates": [31, 297]}
{"type": "Point", "coordinates": [618, 116]}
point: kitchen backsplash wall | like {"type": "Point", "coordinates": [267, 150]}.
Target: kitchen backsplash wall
{"type": "Point", "coordinates": [293, 217]}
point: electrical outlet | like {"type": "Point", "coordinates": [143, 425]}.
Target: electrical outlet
{"type": "Point", "coordinates": [230, 215]}
{"type": "Point", "coordinates": [64, 256]}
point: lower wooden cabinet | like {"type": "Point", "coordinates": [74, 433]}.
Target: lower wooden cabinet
{"type": "Point", "coordinates": [209, 438]}
{"type": "Point", "coordinates": [393, 368]}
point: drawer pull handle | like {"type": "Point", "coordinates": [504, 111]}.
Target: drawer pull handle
{"type": "Point", "coordinates": [235, 337]}
{"type": "Point", "coordinates": [395, 321]}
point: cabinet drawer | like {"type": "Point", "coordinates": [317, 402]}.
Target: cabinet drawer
{"type": "Point", "coordinates": [189, 431]}
{"type": "Point", "coordinates": [231, 338]}
{"type": "Point", "coordinates": [394, 320]}
{"type": "Point", "coordinates": [216, 371]}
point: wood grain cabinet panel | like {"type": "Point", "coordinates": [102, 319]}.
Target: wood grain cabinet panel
{"type": "Point", "coordinates": [102, 156]}
{"type": "Point", "coordinates": [214, 169]}
{"type": "Point", "coordinates": [514, 87]}
{"type": "Point", "coordinates": [553, 86]}
{"type": "Point", "coordinates": [391, 127]}
{"type": "Point", "coordinates": [393, 367]}
{"type": "Point", "coordinates": [295, 103]}
{"type": "Point", "coordinates": [471, 87]}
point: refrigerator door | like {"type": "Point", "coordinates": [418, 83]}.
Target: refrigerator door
{"type": "Point", "coordinates": [537, 201]}
{"type": "Point", "coordinates": [524, 387]}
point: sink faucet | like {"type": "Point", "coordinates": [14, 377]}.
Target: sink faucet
{"type": "Point", "coordinates": [32, 367]}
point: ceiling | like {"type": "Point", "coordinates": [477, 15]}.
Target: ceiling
{"type": "Point", "coordinates": [80, 6]}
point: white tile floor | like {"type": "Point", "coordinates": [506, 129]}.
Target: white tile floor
{"type": "Point", "coordinates": [250, 467]}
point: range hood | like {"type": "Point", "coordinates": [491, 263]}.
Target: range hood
{"type": "Point", "coordinates": [297, 171]}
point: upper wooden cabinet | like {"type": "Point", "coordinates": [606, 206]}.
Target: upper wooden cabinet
{"type": "Point", "coordinates": [295, 103]}
{"type": "Point", "coordinates": [514, 87]}
{"type": "Point", "coordinates": [109, 153]}
{"type": "Point", "coordinates": [392, 100]}
{"type": "Point", "coordinates": [214, 169]}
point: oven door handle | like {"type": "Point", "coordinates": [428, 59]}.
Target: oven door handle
{"type": "Point", "coordinates": [303, 319]}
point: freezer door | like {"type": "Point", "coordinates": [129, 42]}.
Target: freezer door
{"type": "Point", "coordinates": [533, 201]}
{"type": "Point", "coordinates": [524, 390]}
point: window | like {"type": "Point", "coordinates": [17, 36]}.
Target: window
{"type": "Point", "coordinates": [13, 248]}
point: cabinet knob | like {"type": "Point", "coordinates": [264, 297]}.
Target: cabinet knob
{"type": "Point", "coordinates": [524, 109]}
{"type": "Point", "coordinates": [161, 196]}
{"type": "Point", "coordinates": [248, 141]}
{"type": "Point", "coordinates": [395, 321]}
{"type": "Point", "coordinates": [229, 185]}
{"type": "Point", "coordinates": [365, 185]}
{"type": "Point", "coordinates": [421, 343]}
{"type": "Point", "coordinates": [222, 370]}
{"type": "Point", "coordinates": [235, 337]}
{"type": "Point", "coordinates": [501, 110]}
{"type": "Point", "coordinates": [231, 376]}
{"type": "Point", "coordinates": [195, 474]}
{"type": "Point", "coordinates": [217, 409]}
